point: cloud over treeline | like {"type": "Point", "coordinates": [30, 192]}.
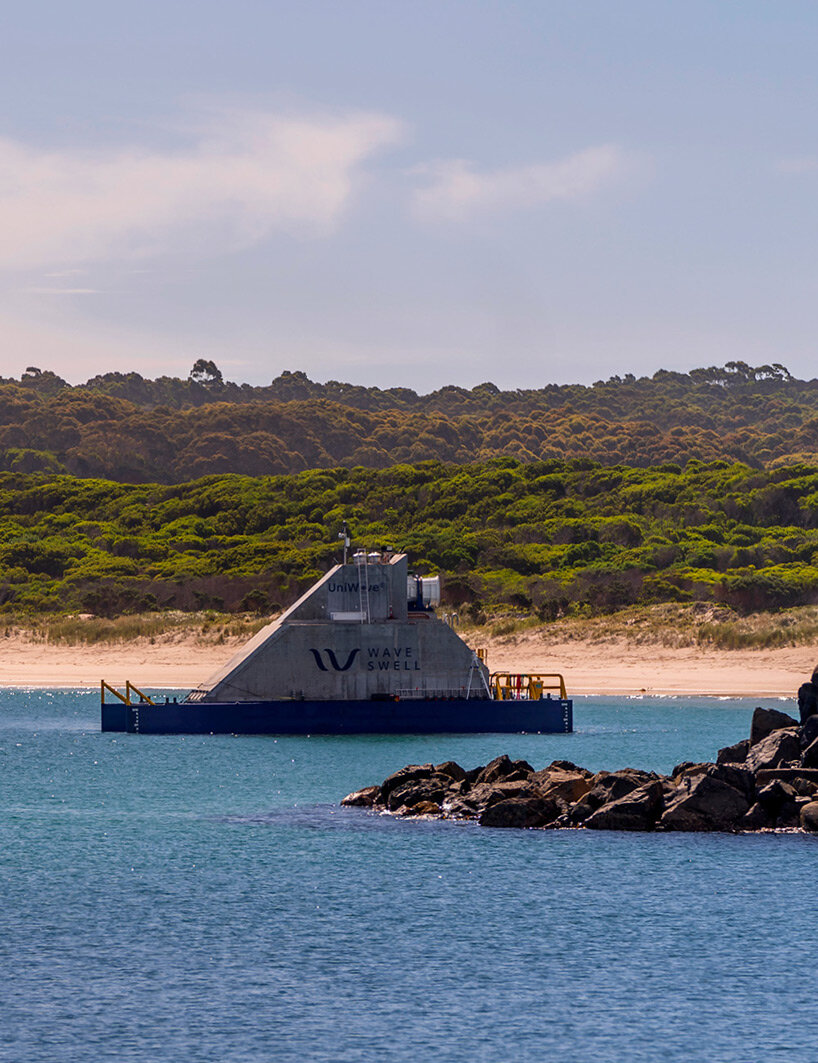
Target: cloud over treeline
{"type": "Point", "coordinates": [456, 190]}
{"type": "Point", "coordinates": [240, 177]}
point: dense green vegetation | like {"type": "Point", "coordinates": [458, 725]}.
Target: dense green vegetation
{"type": "Point", "coordinates": [547, 537]}
{"type": "Point", "coordinates": [124, 427]}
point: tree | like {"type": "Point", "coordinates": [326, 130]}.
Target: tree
{"type": "Point", "coordinates": [205, 372]}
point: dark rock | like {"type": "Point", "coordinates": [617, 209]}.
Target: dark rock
{"type": "Point", "coordinates": [790, 775]}
{"type": "Point", "coordinates": [451, 769]}
{"type": "Point", "coordinates": [365, 798]}
{"type": "Point", "coordinates": [580, 811]}
{"type": "Point", "coordinates": [808, 698]}
{"type": "Point", "coordinates": [775, 795]}
{"type": "Point", "coordinates": [765, 721]}
{"type": "Point", "coordinates": [457, 808]}
{"type": "Point", "coordinates": [409, 793]}
{"type": "Point", "coordinates": [737, 776]}
{"type": "Point", "coordinates": [809, 731]}
{"type": "Point", "coordinates": [804, 787]}
{"type": "Point", "coordinates": [607, 787]}
{"type": "Point", "coordinates": [809, 816]}
{"type": "Point", "coordinates": [481, 795]}
{"type": "Point", "coordinates": [689, 768]}
{"type": "Point", "coordinates": [769, 787]}
{"type": "Point", "coordinates": [809, 758]}
{"type": "Point", "coordinates": [407, 774]}
{"type": "Point", "coordinates": [779, 748]}
{"type": "Point", "coordinates": [502, 767]}
{"type": "Point", "coordinates": [622, 782]}
{"type": "Point", "coordinates": [638, 810]}
{"type": "Point", "coordinates": [705, 803]}
{"type": "Point", "coordinates": [756, 818]}
{"type": "Point", "coordinates": [734, 754]}
{"type": "Point", "coordinates": [420, 808]}
{"type": "Point", "coordinates": [565, 765]}
{"type": "Point", "coordinates": [495, 770]}
{"type": "Point", "coordinates": [566, 785]}
{"type": "Point", "coordinates": [790, 813]}
{"type": "Point", "coordinates": [521, 812]}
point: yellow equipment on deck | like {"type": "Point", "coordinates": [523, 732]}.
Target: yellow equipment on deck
{"type": "Point", "coordinates": [521, 686]}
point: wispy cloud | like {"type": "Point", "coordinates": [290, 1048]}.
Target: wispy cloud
{"type": "Point", "coordinates": [798, 165]}
{"type": "Point", "coordinates": [34, 290]}
{"type": "Point", "coordinates": [238, 178]}
{"type": "Point", "coordinates": [456, 190]}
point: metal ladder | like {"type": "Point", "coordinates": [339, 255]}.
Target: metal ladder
{"type": "Point", "coordinates": [361, 563]}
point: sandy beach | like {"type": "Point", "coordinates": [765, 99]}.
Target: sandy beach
{"type": "Point", "coordinates": [619, 667]}
{"type": "Point", "coordinates": [615, 666]}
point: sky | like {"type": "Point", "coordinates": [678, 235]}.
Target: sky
{"type": "Point", "coordinates": [408, 192]}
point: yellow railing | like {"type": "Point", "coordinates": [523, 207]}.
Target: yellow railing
{"type": "Point", "coordinates": [126, 697]}
{"type": "Point", "coordinates": [507, 686]}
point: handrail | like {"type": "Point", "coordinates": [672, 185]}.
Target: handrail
{"type": "Point", "coordinates": [129, 686]}
{"type": "Point", "coordinates": [126, 697]}
{"type": "Point", "coordinates": [107, 686]}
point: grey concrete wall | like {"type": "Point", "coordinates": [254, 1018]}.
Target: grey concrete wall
{"type": "Point", "coordinates": [305, 653]}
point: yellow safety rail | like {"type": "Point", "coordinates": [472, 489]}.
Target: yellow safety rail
{"type": "Point", "coordinates": [508, 686]}
{"type": "Point", "coordinates": [126, 697]}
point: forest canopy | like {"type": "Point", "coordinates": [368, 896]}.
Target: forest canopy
{"type": "Point", "coordinates": [121, 426]}
{"type": "Point", "coordinates": [544, 537]}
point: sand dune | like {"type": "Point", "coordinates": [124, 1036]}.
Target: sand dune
{"type": "Point", "coordinates": [616, 666]}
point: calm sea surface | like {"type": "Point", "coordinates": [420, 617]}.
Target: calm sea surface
{"type": "Point", "coordinates": [205, 898]}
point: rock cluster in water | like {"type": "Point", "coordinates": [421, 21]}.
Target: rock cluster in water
{"type": "Point", "coordinates": [767, 781]}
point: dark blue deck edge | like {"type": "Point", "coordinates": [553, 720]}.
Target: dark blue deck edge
{"type": "Point", "coordinates": [445, 716]}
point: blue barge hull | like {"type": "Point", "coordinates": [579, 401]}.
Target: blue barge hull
{"type": "Point", "coordinates": [435, 716]}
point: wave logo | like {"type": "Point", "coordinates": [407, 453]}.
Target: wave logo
{"type": "Point", "coordinates": [333, 660]}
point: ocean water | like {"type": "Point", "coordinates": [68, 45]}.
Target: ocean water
{"type": "Point", "coordinates": [206, 899]}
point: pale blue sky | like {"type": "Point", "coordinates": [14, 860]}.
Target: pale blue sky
{"type": "Point", "coordinates": [413, 193]}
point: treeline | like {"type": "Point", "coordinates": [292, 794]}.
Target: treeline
{"type": "Point", "coordinates": [545, 537]}
{"type": "Point", "coordinates": [124, 427]}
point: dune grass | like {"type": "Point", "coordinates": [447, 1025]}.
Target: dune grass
{"type": "Point", "coordinates": [83, 630]}
{"type": "Point", "coordinates": [670, 624]}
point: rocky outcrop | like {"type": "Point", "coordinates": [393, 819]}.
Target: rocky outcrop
{"type": "Point", "coordinates": [765, 721]}
{"type": "Point", "coordinates": [809, 816]}
{"type": "Point", "coordinates": [767, 781]}
{"type": "Point", "coordinates": [809, 758]}
{"type": "Point", "coordinates": [705, 802]}
{"type": "Point", "coordinates": [736, 754]}
{"type": "Point", "coordinates": [365, 798]}
{"type": "Point", "coordinates": [781, 748]}
{"type": "Point", "coordinates": [567, 785]}
{"type": "Point", "coordinates": [809, 731]}
{"type": "Point", "coordinates": [780, 801]}
{"type": "Point", "coordinates": [638, 810]}
{"type": "Point", "coordinates": [531, 811]}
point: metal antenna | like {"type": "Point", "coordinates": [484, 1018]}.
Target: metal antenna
{"type": "Point", "coordinates": [345, 536]}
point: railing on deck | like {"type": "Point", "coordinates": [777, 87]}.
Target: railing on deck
{"type": "Point", "coordinates": [126, 697]}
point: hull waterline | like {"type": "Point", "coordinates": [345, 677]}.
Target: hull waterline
{"type": "Point", "coordinates": [444, 716]}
